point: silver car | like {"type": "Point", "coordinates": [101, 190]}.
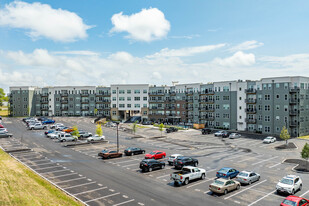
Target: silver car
{"type": "Point", "coordinates": [234, 135]}
{"type": "Point", "coordinates": [247, 177]}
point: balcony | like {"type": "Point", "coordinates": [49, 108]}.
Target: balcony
{"type": "Point", "coordinates": [190, 108]}
{"type": "Point", "coordinates": [250, 91]}
{"type": "Point", "coordinates": [294, 90]}
{"type": "Point", "coordinates": [64, 94]}
{"type": "Point", "coordinates": [44, 108]}
{"type": "Point", "coordinates": [64, 101]}
{"type": "Point", "coordinates": [294, 101]}
{"type": "Point", "coordinates": [44, 101]}
{"type": "Point", "coordinates": [64, 108]}
{"type": "Point", "coordinates": [156, 100]}
{"type": "Point", "coordinates": [44, 95]}
{"type": "Point", "coordinates": [84, 94]}
{"type": "Point", "coordinates": [210, 118]}
{"type": "Point", "coordinates": [207, 92]}
{"type": "Point", "coordinates": [156, 93]}
{"type": "Point", "coordinates": [101, 94]}
{"type": "Point", "coordinates": [173, 93]}
{"type": "Point", "coordinates": [293, 124]}
{"type": "Point", "coordinates": [250, 101]}
{"type": "Point", "coordinates": [210, 110]}
{"type": "Point", "coordinates": [85, 101]}
{"type": "Point", "coordinates": [294, 113]}
{"type": "Point", "coordinates": [85, 108]}
{"type": "Point", "coordinates": [190, 100]}
{"type": "Point", "coordinates": [173, 100]}
{"type": "Point", "coordinates": [189, 93]}
{"type": "Point", "coordinates": [251, 120]}
{"type": "Point", "coordinates": [251, 110]}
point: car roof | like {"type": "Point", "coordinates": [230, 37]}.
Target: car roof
{"type": "Point", "coordinates": [291, 177]}
{"type": "Point", "coordinates": [222, 179]}
{"type": "Point", "coordinates": [227, 168]}
{"type": "Point", "coordinates": [157, 151]}
{"type": "Point", "coordinates": [245, 171]}
{"type": "Point", "coordinates": [189, 167]}
{"type": "Point", "coordinates": [176, 155]}
{"type": "Point", "coordinates": [294, 198]}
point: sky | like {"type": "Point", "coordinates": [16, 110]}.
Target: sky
{"type": "Point", "coordinates": [103, 42]}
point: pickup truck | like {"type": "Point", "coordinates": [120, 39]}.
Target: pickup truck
{"type": "Point", "coordinates": [188, 174]}
{"type": "Point", "coordinates": [37, 126]}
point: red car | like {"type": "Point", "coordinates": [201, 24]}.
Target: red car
{"type": "Point", "coordinates": [295, 201]}
{"type": "Point", "coordinates": [155, 155]}
{"type": "Point", "coordinates": [1, 126]}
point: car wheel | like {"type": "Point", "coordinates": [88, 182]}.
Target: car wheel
{"type": "Point", "coordinates": [293, 192]}
{"type": "Point", "coordinates": [101, 139]}
{"type": "Point", "coordinates": [90, 135]}
{"type": "Point", "coordinates": [225, 192]}
{"type": "Point", "coordinates": [195, 164]}
{"type": "Point", "coordinates": [153, 158]}
{"type": "Point", "coordinates": [150, 169]}
{"type": "Point", "coordinates": [162, 166]}
{"type": "Point", "coordinates": [31, 128]}
{"type": "Point", "coordinates": [143, 152]}
{"type": "Point", "coordinates": [92, 140]}
{"type": "Point", "coordinates": [300, 187]}
{"type": "Point", "coordinates": [186, 181]}
{"type": "Point", "coordinates": [238, 187]}
{"type": "Point", "coordinates": [163, 156]}
{"type": "Point", "coordinates": [258, 178]}
{"type": "Point", "coordinates": [203, 176]}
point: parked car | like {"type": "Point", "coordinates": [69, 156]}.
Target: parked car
{"type": "Point", "coordinates": [60, 128]}
{"type": "Point", "coordinates": [64, 137]}
{"type": "Point", "coordinates": [1, 126]}
{"type": "Point", "coordinates": [289, 184]}
{"type": "Point", "coordinates": [133, 151]}
{"type": "Point", "coordinates": [3, 130]}
{"type": "Point", "coordinates": [187, 174]}
{"type": "Point", "coordinates": [247, 177]}
{"type": "Point", "coordinates": [55, 135]}
{"type": "Point", "coordinates": [42, 118]}
{"type": "Point", "coordinates": [234, 135]}
{"type": "Point", "coordinates": [106, 154]}
{"type": "Point", "coordinates": [225, 134]}
{"type": "Point", "coordinates": [223, 186]}
{"type": "Point", "coordinates": [182, 161]}
{"type": "Point", "coordinates": [147, 123]}
{"type": "Point", "coordinates": [294, 201]}
{"type": "Point", "coordinates": [227, 172]}
{"type": "Point", "coordinates": [48, 121]}
{"type": "Point", "coordinates": [5, 134]}
{"type": "Point", "coordinates": [68, 130]}
{"type": "Point", "coordinates": [110, 124]}
{"type": "Point", "coordinates": [269, 140]}
{"type": "Point", "coordinates": [172, 158]}
{"type": "Point", "coordinates": [95, 138]}
{"type": "Point", "coordinates": [55, 126]}
{"type": "Point", "coordinates": [49, 131]}
{"type": "Point", "coordinates": [37, 126]}
{"type": "Point", "coordinates": [150, 164]}
{"type": "Point", "coordinates": [219, 133]}
{"type": "Point", "coordinates": [155, 155]}
{"type": "Point", "coordinates": [84, 134]}
{"type": "Point", "coordinates": [206, 131]}
{"type": "Point", "coordinates": [171, 129]}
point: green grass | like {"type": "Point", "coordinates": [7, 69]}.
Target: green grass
{"type": "Point", "coordinates": [167, 126]}
{"type": "Point", "coordinates": [4, 112]}
{"type": "Point", "coordinates": [20, 186]}
{"type": "Point", "coordinates": [304, 137]}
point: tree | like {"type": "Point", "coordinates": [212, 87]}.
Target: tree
{"type": "Point", "coordinates": [2, 97]}
{"type": "Point", "coordinates": [134, 127]}
{"type": "Point", "coordinates": [75, 132]}
{"type": "Point", "coordinates": [99, 130]}
{"type": "Point", "coordinates": [161, 126]}
{"type": "Point", "coordinates": [95, 111]}
{"type": "Point", "coordinates": [285, 134]}
{"type": "Point", "coordinates": [305, 154]}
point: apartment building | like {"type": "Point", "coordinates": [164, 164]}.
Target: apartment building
{"type": "Point", "coordinates": [262, 106]}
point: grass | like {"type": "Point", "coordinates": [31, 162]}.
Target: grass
{"type": "Point", "coordinates": [167, 126]}
{"type": "Point", "coordinates": [304, 137]}
{"type": "Point", "coordinates": [20, 186]}
{"type": "Point", "coordinates": [4, 111]}
{"type": "Point", "coordinates": [141, 126]}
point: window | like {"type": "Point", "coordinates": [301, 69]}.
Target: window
{"type": "Point", "coordinates": [277, 107]}
{"type": "Point", "coordinates": [114, 112]}
{"type": "Point", "coordinates": [269, 86]}
{"type": "Point", "coordinates": [137, 105]}
{"type": "Point", "coordinates": [286, 85]}
{"type": "Point", "coordinates": [114, 98]}
{"type": "Point", "coordinates": [286, 108]}
{"type": "Point", "coordinates": [240, 107]}
{"type": "Point", "coordinates": [129, 105]}
{"type": "Point", "coordinates": [137, 91]}
{"type": "Point", "coordinates": [137, 98]}
{"type": "Point", "coordinates": [267, 97]}
{"type": "Point", "coordinates": [145, 91]}
{"type": "Point", "coordinates": [259, 97]}
{"type": "Point", "coordinates": [277, 96]}
{"type": "Point", "coordinates": [286, 97]}
{"type": "Point", "coordinates": [145, 98]}
{"type": "Point", "coordinates": [226, 97]}
{"type": "Point", "coordinates": [267, 129]}
{"type": "Point", "coordinates": [217, 115]}
{"type": "Point", "coordinates": [121, 99]}
{"type": "Point", "coordinates": [277, 118]}
{"type": "Point", "coordinates": [121, 91]}
{"type": "Point", "coordinates": [128, 98]}
{"type": "Point", "coordinates": [226, 106]}
{"type": "Point", "coordinates": [260, 117]}
{"type": "Point", "coordinates": [114, 105]}
{"type": "Point", "coordinates": [217, 106]}
{"type": "Point", "coordinates": [121, 105]}
{"type": "Point", "coordinates": [145, 113]}
{"type": "Point", "coordinates": [267, 107]}
{"type": "Point", "coordinates": [260, 107]}
{"type": "Point", "coordinates": [217, 97]}
{"type": "Point", "coordinates": [114, 91]}
{"type": "Point", "coordinates": [145, 105]}
{"type": "Point", "coordinates": [226, 116]}
{"type": "Point", "coordinates": [129, 91]}
{"type": "Point", "coordinates": [239, 88]}
{"type": "Point", "coordinates": [267, 118]}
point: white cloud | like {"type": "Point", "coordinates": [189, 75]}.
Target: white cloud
{"type": "Point", "coordinates": [238, 59]}
{"type": "Point", "coordinates": [247, 45]}
{"type": "Point", "coordinates": [189, 51]}
{"type": "Point", "coordinates": [78, 52]}
{"type": "Point", "coordinates": [147, 25]}
{"type": "Point", "coordinates": [40, 20]}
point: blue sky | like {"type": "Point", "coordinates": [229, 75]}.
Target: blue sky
{"type": "Point", "coordinates": [96, 42]}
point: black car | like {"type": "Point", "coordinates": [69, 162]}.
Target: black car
{"type": "Point", "coordinates": [147, 165]}
{"type": "Point", "coordinates": [133, 151]}
{"type": "Point", "coordinates": [182, 161]}
{"type": "Point", "coordinates": [206, 131]}
{"type": "Point", "coordinates": [171, 129]}
{"type": "Point", "coordinates": [225, 134]}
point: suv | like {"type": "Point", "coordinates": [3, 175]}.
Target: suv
{"type": "Point", "coordinates": [66, 137]}
{"type": "Point", "coordinates": [171, 129]}
{"type": "Point", "coordinates": [182, 161]}
{"type": "Point", "coordinates": [37, 126]}
{"type": "Point", "coordinates": [289, 184]}
{"type": "Point", "coordinates": [206, 131]}
{"type": "Point", "coordinates": [83, 134]}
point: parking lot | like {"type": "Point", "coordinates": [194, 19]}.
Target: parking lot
{"type": "Point", "coordinates": [69, 168]}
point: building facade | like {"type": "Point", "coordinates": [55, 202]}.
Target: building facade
{"type": "Point", "coordinates": [262, 106]}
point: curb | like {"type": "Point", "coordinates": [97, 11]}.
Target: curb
{"type": "Point", "coordinates": [17, 150]}
{"type": "Point", "coordinates": [85, 143]}
{"type": "Point", "coordinates": [293, 169]}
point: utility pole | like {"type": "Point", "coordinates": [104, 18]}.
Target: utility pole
{"type": "Point", "coordinates": [117, 138]}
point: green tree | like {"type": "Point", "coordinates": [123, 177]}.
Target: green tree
{"type": "Point", "coordinates": [95, 111]}
{"type": "Point", "coordinates": [2, 97]}
{"type": "Point", "coordinates": [305, 154]}
{"type": "Point", "coordinates": [75, 132]}
{"type": "Point", "coordinates": [285, 134]}
{"type": "Point", "coordinates": [134, 127]}
{"type": "Point", "coordinates": [99, 130]}
{"type": "Point", "coordinates": [161, 128]}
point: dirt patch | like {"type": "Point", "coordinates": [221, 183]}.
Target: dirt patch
{"type": "Point", "coordinates": [290, 145]}
{"type": "Point", "coordinates": [302, 165]}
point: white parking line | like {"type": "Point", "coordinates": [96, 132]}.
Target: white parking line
{"type": "Point", "coordinates": [102, 197]}
{"type": "Point", "coordinates": [130, 165]}
{"type": "Point", "coordinates": [225, 154]}
{"type": "Point", "coordinates": [244, 190]}
{"type": "Point", "coordinates": [79, 185]}
{"type": "Point", "coordinates": [264, 160]}
{"type": "Point", "coordinates": [275, 165]}
{"type": "Point", "coordinates": [163, 176]}
{"type": "Point", "coordinates": [47, 168]}
{"type": "Point", "coordinates": [53, 171]}
{"type": "Point", "coordinates": [101, 188]}
{"type": "Point", "coordinates": [251, 158]}
{"type": "Point", "coordinates": [234, 157]}
{"type": "Point", "coordinates": [40, 160]}
{"type": "Point", "coordinates": [124, 161]}
{"type": "Point", "coordinates": [74, 173]}
{"type": "Point", "coordinates": [44, 164]}
{"type": "Point", "coordinates": [262, 198]}
{"type": "Point", "coordinates": [304, 194]}
{"type": "Point", "coordinates": [208, 179]}
{"type": "Point", "coordinates": [124, 202]}
{"type": "Point", "coordinates": [70, 180]}
{"type": "Point", "coordinates": [25, 156]}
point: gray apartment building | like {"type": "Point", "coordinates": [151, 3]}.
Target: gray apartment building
{"type": "Point", "coordinates": [262, 106]}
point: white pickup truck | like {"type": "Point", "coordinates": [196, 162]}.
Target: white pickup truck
{"type": "Point", "coordinates": [37, 126]}
{"type": "Point", "coordinates": [187, 174]}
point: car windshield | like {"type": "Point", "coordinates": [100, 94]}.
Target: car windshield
{"type": "Point", "coordinates": [218, 182]}
{"type": "Point", "coordinates": [223, 170]}
{"type": "Point", "coordinates": [243, 174]}
{"type": "Point", "coordinates": [289, 202]}
{"type": "Point", "coordinates": [152, 153]}
{"type": "Point", "coordinates": [104, 151]}
{"type": "Point", "coordinates": [287, 181]}
{"type": "Point", "coordinates": [268, 137]}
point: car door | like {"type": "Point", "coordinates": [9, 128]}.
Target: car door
{"type": "Point", "coordinates": [297, 184]}
{"type": "Point", "coordinates": [158, 155]}
{"type": "Point", "coordinates": [112, 153]}
{"type": "Point", "coordinates": [303, 202]}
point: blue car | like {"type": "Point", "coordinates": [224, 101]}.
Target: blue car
{"type": "Point", "coordinates": [227, 172]}
{"type": "Point", "coordinates": [49, 131]}
{"type": "Point", "coordinates": [48, 121]}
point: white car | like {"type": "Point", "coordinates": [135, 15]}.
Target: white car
{"type": "Point", "coordinates": [234, 135]}
{"type": "Point", "coordinates": [269, 139]}
{"type": "Point", "coordinates": [172, 158]}
{"type": "Point", "coordinates": [219, 133]}
{"type": "Point", "coordinates": [37, 126]}
{"type": "Point", "coordinates": [289, 184]}
{"type": "Point", "coordinates": [95, 138]}
{"type": "Point", "coordinates": [55, 126]}
{"type": "Point", "coordinates": [66, 137]}
{"type": "Point", "coordinates": [55, 134]}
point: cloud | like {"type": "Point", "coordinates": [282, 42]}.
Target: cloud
{"type": "Point", "coordinates": [188, 51]}
{"type": "Point", "coordinates": [40, 20]}
{"type": "Point", "coordinates": [290, 61]}
{"type": "Point", "coordinates": [147, 25]}
{"type": "Point", "coordinates": [238, 59]}
{"type": "Point", "coordinates": [247, 45]}
{"type": "Point", "coordinates": [79, 52]}
{"type": "Point", "coordinates": [185, 36]}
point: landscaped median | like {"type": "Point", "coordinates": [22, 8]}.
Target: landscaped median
{"type": "Point", "coordinates": [304, 137]}
{"type": "Point", "coordinates": [21, 186]}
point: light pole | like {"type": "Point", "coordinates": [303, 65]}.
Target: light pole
{"type": "Point", "coordinates": [117, 137]}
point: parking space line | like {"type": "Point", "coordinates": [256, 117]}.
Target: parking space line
{"type": "Point", "coordinates": [44, 164]}
{"type": "Point", "coordinates": [155, 171]}
{"type": "Point", "coordinates": [234, 157]}
{"type": "Point", "coordinates": [262, 198]}
{"type": "Point", "coordinates": [251, 158]}
{"type": "Point", "coordinates": [70, 180]}
{"type": "Point", "coordinates": [47, 167]}
{"type": "Point", "coordinates": [102, 197]}
{"type": "Point", "coordinates": [304, 194]}
{"type": "Point", "coordinates": [39, 160]}
{"type": "Point", "coordinates": [124, 202]}
{"type": "Point", "coordinates": [130, 165]}
{"type": "Point", "coordinates": [163, 176]}
{"type": "Point", "coordinates": [244, 190]}
{"type": "Point", "coordinates": [225, 154]}
{"type": "Point", "coordinates": [101, 188]}
{"type": "Point", "coordinates": [25, 156]}
{"type": "Point", "coordinates": [125, 161]}
{"type": "Point", "coordinates": [88, 183]}
{"type": "Point", "coordinates": [208, 179]}
{"type": "Point", "coordinates": [275, 165]}
{"type": "Point", "coordinates": [265, 160]}
{"type": "Point", "coordinates": [74, 173]}
{"type": "Point", "coordinates": [53, 171]}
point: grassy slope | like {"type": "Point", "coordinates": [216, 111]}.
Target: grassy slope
{"type": "Point", "coordinates": [20, 186]}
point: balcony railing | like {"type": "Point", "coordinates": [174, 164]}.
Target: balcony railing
{"type": "Point", "coordinates": [294, 101]}
{"type": "Point", "coordinates": [44, 101]}
{"type": "Point", "coordinates": [44, 95]}
{"type": "Point", "coordinates": [64, 108]}
{"type": "Point", "coordinates": [250, 101]}
{"type": "Point", "coordinates": [84, 94]}
{"type": "Point", "coordinates": [64, 101]}
{"type": "Point", "coordinates": [251, 120]}
{"type": "Point", "coordinates": [250, 91]}
{"type": "Point", "coordinates": [85, 108]}
{"type": "Point", "coordinates": [156, 93]}
{"type": "Point", "coordinates": [103, 94]}
{"type": "Point", "coordinates": [207, 92]}
{"type": "Point", "coordinates": [44, 108]}
{"type": "Point", "coordinates": [210, 118]}
{"type": "Point", "coordinates": [293, 113]}
{"type": "Point", "coordinates": [293, 124]}
{"type": "Point", "coordinates": [85, 101]}
{"type": "Point", "coordinates": [294, 90]}
{"type": "Point", "coordinates": [64, 94]}
{"type": "Point", "coordinates": [251, 110]}
{"type": "Point", "coordinates": [189, 93]}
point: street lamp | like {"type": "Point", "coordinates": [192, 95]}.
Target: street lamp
{"type": "Point", "coordinates": [117, 123]}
